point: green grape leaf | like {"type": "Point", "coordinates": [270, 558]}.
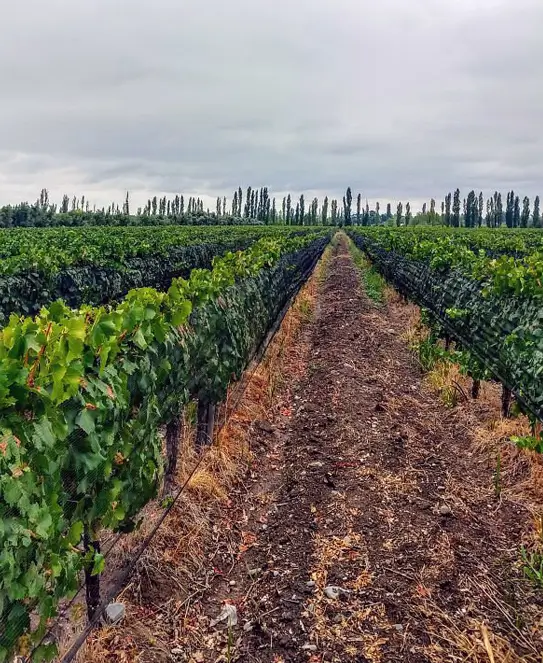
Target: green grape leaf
{"type": "Point", "coordinates": [85, 420]}
{"type": "Point", "coordinates": [98, 565]}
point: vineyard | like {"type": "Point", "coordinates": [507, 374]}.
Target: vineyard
{"type": "Point", "coordinates": [84, 393]}
{"type": "Point", "coordinates": [483, 288]}
{"type": "Point", "coordinates": [95, 265]}
{"type": "Point", "coordinates": [110, 335]}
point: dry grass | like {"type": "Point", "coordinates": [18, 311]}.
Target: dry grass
{"type": "Point", "coordinates": [413, 328]}
{"type": "Point", "coordinates": [473, 643]}
{"type": "Point", "coordinates": [392, 296]}
{"type": "Point", "coordinates": [522, 470]}
{"type": "Point", "coordinates": [170, 574]}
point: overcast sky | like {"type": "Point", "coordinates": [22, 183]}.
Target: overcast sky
{"type": "Point", "coordinates": [400, 99]}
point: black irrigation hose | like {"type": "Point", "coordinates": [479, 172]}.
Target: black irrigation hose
{"type": "Point", "coordinates": [123, 579]}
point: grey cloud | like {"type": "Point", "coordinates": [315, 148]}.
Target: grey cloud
{"type": "Point", "coordinates": [399, 100]}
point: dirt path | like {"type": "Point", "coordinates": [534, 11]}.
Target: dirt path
{"type": "Point", "coordinates": [372, 532]}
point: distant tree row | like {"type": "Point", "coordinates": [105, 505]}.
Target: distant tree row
{"type": "Point", "coordinates": [473, 211]}
{"type": "Point", "coordinates": [255, 206]}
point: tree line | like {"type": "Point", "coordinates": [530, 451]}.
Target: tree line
{"type": "Point", "coordinates": [473, 212]}
{"type": "Point", "coordinates": [256, 206]}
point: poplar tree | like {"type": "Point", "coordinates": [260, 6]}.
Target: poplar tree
{"type": "Point", "coordinates": [333, 211]}
{"type": "Point", "coordinates": [324, 212]}
{"type": "Point", "coordinates": [471, 210]}
{"type": "Point", "coordinates": [481, 204]}
{"type": "Point", "coordinates": [301, 207]}
{"type": "Point", "coordinates": [516, 214]}
{"type": "Point", "coordinates": [377, 216]}
{"type": "Point", "coordinates": [267, 203]}
{"type": "Point", "coordinates": [314, 211]}
{"type": "Point", "coordinates": [289, 209]}
{"type": "Point", "coordinates": [510, 209]}
{"type": "Point", "coordinates": [408, 215]}
{"type": "Point", "coordinates": [247, 210]}
{"type": "Point", "coordinates": [536, 217]}
{"type": "Point", "coordinates": [525, 216]}
{"type": "Point", "coordinates": [456, 209]}
{"type": "Point", "coordinates": [448, 215]}
{"type": "Point", "coordinates": [399, 211]}
{"type": "Point", "coordinates": [358, 207]}
{"type": "Point", "coordinates": [389, 211]}
{"type": "Point", "coordinates": [347, 203]}
{"type": "Point", "coordinates": [258, 209]}
{"type": "Point", "coordinates": [499, 210]}
{"type": "Point", "coordinates": [252, 207]}
{"type": "Point", "coordinates": [284, 209]}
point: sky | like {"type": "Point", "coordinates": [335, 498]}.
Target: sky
{"type": "Point", "coordinates": [401, 100]}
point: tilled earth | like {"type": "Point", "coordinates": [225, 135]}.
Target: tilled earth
{"type": "Point", "coordinates": [372, 531]}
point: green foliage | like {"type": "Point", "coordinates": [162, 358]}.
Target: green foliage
{"type": "Point", "coordinates": [83, 394]}
{"type": "Point", "coordinates": [536, 215]}
{"type": "Point", "coordinates": [96, 266]}
{"type": "Point", "coordinates": [485, 288]}
{"type": "Point", "coordinates": [532, 565]}
{"type": "Point", "coordinates": [374, 284]}
{"type": "Point", "coordinates": [408, 215]}
{"type": "Point", "coordinates": [504, 261]}
{"type": "Point", "coordinates": [399, 212]}
{"type": "Point", "coordinates": [472, 213]}
{"type": "Point", "coordinates": [430, 353]}
{"type": "Point", "coordinates": [455, 219]}
{"type": "Point", "coordinates": [531, 442]}
{"type": "Point", "coordinates": [47, 250]}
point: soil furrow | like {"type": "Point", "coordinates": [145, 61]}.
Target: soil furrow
{"type": "Point", "coordinates": [376, 535]}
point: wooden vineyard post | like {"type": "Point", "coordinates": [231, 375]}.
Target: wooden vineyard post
{"type": "Point", "coordinates": [475, 388]}
{"type": "Point", "coordinates": [506, 401]}
{"type": "Point", "coordinates": [92, 582]}
{"type": "Point", "coordinates": [205, 424]}
{"type": "Point", "coordinates": [174, 430]}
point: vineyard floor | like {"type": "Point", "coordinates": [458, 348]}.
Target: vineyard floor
{"type": "Point", "coordinates": [367, 488]}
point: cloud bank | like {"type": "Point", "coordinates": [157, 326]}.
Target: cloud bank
{"type": "Point", "coordinates": [401, 101]}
